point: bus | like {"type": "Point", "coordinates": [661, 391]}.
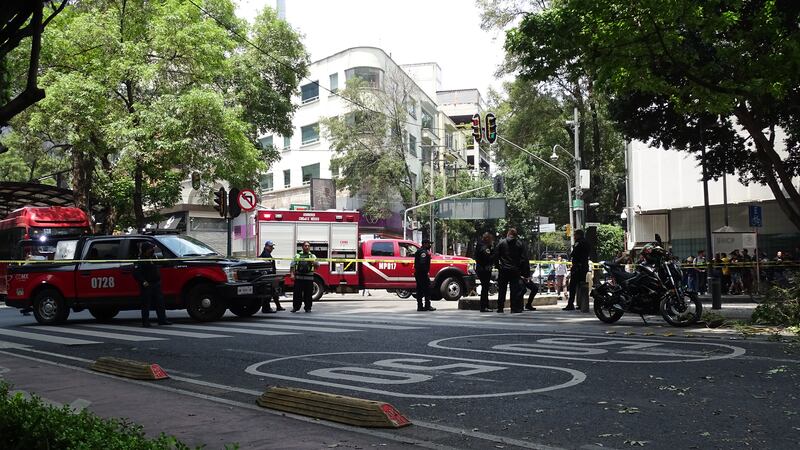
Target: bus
{"type": "Point", "coordinates": [38, 227]}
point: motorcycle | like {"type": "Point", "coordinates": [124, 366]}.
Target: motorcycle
{"type": "Point", "coordinates": [655, 287]}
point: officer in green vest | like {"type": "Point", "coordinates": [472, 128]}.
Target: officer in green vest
{"type": "Point", "coordinates": [302, 272]}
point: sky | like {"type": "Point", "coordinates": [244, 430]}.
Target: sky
{"type": "Point", "coordinates": [411, 31]}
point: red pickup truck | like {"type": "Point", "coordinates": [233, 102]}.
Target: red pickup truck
{"type": "Point", "coordinates": [193, 277]}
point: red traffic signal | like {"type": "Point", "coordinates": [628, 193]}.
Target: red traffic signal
{"type": "Point", "coordinates": [491, 128]}
{"type": "Point", "coordinates": [476, 128]}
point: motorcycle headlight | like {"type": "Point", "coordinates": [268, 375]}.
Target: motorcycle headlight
{"type": "Point", "coordinates": [231, 273]}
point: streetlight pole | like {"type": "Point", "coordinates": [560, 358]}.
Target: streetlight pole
{"type": "Point", "coordinates": [576, 125]}
{"type": "Point", "coordinates": [560, 172]}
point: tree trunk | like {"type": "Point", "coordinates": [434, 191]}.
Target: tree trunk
{"type": "Point", "coordinates": [82, 170]}
{"type": "Point", "coordinates": [138, 209]}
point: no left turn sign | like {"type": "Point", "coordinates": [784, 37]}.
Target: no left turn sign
{"type": "Point", "coordinates": [247, 200]}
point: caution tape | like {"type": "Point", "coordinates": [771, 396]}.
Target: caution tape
{"type": "Point", "coordinates": [201, 258]}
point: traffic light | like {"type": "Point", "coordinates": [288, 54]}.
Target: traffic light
{"type": "Point", "coordinates": [498, 184]}
{"type": "Point", "coordinates": [233, 203]}
{"type": "Point", "coordinates": [476, 127]}
{"type": "Point", "coordinates": [491, 128]}
{"type": "Point", "coordinates": [221, 202]}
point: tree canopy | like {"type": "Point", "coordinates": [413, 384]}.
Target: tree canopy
{"type": "Point", "coordinates": [684, 74]}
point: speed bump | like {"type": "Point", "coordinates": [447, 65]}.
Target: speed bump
{"type": "Point", "coordinates": [336, 408]}
{"type": "Point", "coordinates": [129, 369]}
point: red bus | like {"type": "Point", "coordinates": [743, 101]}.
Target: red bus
{"type": "Point", "coordinates": [41, 225]}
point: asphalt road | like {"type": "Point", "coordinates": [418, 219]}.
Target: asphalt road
{"type": "Point", "coordinates": [466, 379]}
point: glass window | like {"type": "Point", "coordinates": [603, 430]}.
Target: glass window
{"type": "Point", "coordinates": [372, 76]}
{"type": "Point", "coordinates": [265, 182]}
{"type": "Point", "coordinates": [334, 82]}
{"type": "Point", "coordinates": [412, 144]}
{"type": "Point", "coordinates": [448, 140]}
{"type": "Point", "coordinates": [266, 142]}
{"type": "Point", "coordinates": [407, 249]}
{"type": "Point", "coordinates": [287, 178]}
{"type": "Point", "coordinates": [383, 249]}
{"type": "Point", "coordinates": [103, 250]}
{"type": "Point", "coordinates": [310, 172]}
{"type": "Point", "coordinates": [287, 141]}
{"type": "Point", "coordinates": [427, 120]}
{"type": "Point", "coordinates": [309, 92]}
{"type": "Point", "coordinates": [185, 246]}
{"type": "Point", "coordinates": [411, 106]}
{"type": "Point", "coordinates": [310, 133]}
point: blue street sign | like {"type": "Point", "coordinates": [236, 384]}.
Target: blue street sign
{"type": "Point", "coordinates": [755, 216]}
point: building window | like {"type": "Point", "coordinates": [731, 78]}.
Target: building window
{"type": "Point", "coordinates": [266, 142]}
{"type": "Point", "coordinates": [471, 162]}
{"type": "Point", "coordinates": [427, 120]}
{"type": "Point", "coordinates": [309, 92]}
{"type": "Point", "coordinates": [412, 144]}
{"type": "Point", "coordinates": [372, 76]}
{"type": "Point", "coordinates": [411, 107]}
{"type": "Point", "coordinates": [310, 133]}
{"type": "Point", "coordinates": [334, 83]}
{"type": "Point", "coordinates": [310, 172]}
{"type": "Point", "coordinates": [287, 142]}
{"type": "Point", "coordinates": [287, 178]}
{"type": "Point", "coordinates": [265, 183]}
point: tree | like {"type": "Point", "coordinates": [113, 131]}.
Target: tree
{"type": "Point", "coordinates": [142, 93]}
{"type": "Point", "coordinates": [371, 145]}
{"type": "Point", "coordinates": [686, 74]}
{"type": "Point", "coordinates": [21, 19]}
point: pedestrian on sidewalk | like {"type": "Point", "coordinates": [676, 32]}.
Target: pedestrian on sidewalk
{"type": "Point", "coordinates": [561, 273]}
{"type": "Point", "coordinates": [700, 269]}
{"type": "Point", "coordinates": [484, 262]}
{"type": "Point", "coordinates": [302, 272]}
{"type": "Point", "coordinates": [512, 259]}
{"type": "Point", "coordinates": [422, 267]}
{"type": "Point", "coordinates": [580, 267]}
{"type": "Point", "coordinates": [147, 274]}
{"type": "Point", "coordinates": [269, 246]}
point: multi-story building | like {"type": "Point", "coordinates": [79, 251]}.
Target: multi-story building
{"type": "Point", "coordinates": [460, 105]}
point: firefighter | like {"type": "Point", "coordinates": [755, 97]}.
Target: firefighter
{"type": "Point", "coordinates": [267, 253]}
{"type": "Point", "coordinates": [149, 278]}
{"type": "Point", "coordinates": [485, 260]}
{"type": "Point", "coordinates": [422, 266]}
{"type": "Point", "coordinates": [302, 272]}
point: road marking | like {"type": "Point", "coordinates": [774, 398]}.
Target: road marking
{"type": "Point", "coordinates": [291, 327]}
{"type": "Point", "coordinates": [424, 321]}
{"type": "Point", "coordinates": [577, 376]}
{"type": "Point", "coordinates": [103, 334]}
{"type": "Point", "coordinates": [6, 344]}
{"type": "Point", "coordinates": [163, 331]}
{"type": "Point", "coordinates": [45, 337]}
{"type": "Point", "coordinates": [234, 330]}
{"type": "Point", "coordinates": [567, 340]}
{"type": "Point", "coordinates": [348, 324]}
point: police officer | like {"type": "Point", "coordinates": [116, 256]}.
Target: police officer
{"type": "Point", "coordinates": [422, 266]}
{"type": "Point", "coordinates": [302, 272]}
{"type": "Point", "coordinates": [514, 268]}
{"type": "Point", "coordinates": [580, 267]}
{"type": "Point", "coordinates": [484, 259]}
{"type": "Point", "coordinates": [149, 278]}
{"type": "Point", "coordinates": [267, 253]}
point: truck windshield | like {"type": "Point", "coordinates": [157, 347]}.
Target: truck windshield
{"type": "Point", "coordinates": [186, 246]}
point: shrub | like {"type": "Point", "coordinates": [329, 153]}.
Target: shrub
{"type": "Point", "coordinates": [781, 305]}
{"type": "Point", "coordinates": [31, 424]}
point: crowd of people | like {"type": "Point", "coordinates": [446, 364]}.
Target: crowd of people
{"type": "Point", "coordinates": [736, 271]}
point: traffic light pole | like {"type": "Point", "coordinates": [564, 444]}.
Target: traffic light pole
{"type": "Point", "coordinates": [560, 172]}
{"type": "Point", "coordinates": [230, 230]}
{"type": "Point", "coordinates": [407, 210]}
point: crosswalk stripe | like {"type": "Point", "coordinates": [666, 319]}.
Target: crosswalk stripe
{"type": "Point", "coordinates": [332, 323]}
{"type": "Point", "coordinates": [397, 318]}
{"type": "Point", "coordinates": [45, 337]}
{"type": "Point", "coordinates": [291, 327]}
{"type": "Point", "coordinates": [103, 334]}
{"type": "Point", "coordinates": [166, 332]}
{"type": "Point", "coordinates": [6, 345]}
{"type": "Point", "coordinates": [234, 330]}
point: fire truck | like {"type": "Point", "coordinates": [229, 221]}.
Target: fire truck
{"type": "Point", "coordinates": [371, 264]}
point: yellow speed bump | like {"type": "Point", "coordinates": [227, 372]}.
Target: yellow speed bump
{"type": "Point", "coordinates": [129, 369]}
{"type": "Point", "coordinates": [336, 408]}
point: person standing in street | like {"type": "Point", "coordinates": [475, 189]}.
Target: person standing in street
{"type": "Point", "coordinates": [422, 267]}
{"type": "Point", "coordinates": [267, 253]}
{"type": "Point", "coordinates": [561, 273]}
{"type": "Point", "coordinates": [484, 262]}
{"type": "Point", "coordinates": [302, 272]}
{"type": "Point", "coordinates": [147, 274]}
{"type": "Point", "coordinates": [580, 267]}
{"type": "Point", "coordinates": [514, 267]}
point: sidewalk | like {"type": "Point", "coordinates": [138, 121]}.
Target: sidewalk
{"type": "Point", "coordinates": [191, 418]}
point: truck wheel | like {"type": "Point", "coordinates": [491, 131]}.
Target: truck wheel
{"type": "Point", "coordinates": [319, 289]}
{"type": "Point", "coordinates": [451, 289]}
{"type": "Point", "coordinates": [247, 308]}
{"type": "Point", "coordinates": [204, 305]}
{"type": "Point", "coordinates": [49, 307]}
{"type": "Point", "coordinates": [103, 314]}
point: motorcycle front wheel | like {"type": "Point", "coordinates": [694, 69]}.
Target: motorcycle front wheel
{"type": "Point", "coordinates": [681, 311]}
{"type": "Point", "coordinates": [605, 311]}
